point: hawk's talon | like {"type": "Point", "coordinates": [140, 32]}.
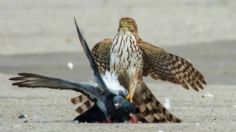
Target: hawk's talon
{"type": "Point", "coordinates": [128, 97]}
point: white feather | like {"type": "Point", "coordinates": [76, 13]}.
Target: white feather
{"type": "Point", "coordinates": [209, 95]}
{"type": "Point", "coordinates": [111, 80]}
{"type": "Point", "coordinates": [70, 65]}
{"type": "Point", "coordinates": [167, 103]}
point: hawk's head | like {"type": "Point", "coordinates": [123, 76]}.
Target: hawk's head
{"type": "Point", "coordinates": [128, 24]}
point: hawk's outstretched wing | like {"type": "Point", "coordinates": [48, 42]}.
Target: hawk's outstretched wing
{"type": "Point", "coordinates": [169, 67]}
{"type": "Point", "coordinates": [157, 63]}
{"type": "Point", "coordinates": [101, 55]}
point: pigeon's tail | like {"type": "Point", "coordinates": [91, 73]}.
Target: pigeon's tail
{"type": "Point", "coordinates": [83, 102]}
{"type": "Point", "coordinates": [150, 109]}
{"type": "Point", "coordinates": [31, 80]}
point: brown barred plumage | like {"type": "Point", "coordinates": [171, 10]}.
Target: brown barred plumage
{"type": "Point", "coordinates": [126, 59]}
{"type": "Point", "coordinates": [83, 102]}
{"type": "Point", "coordinates": [157, 63]}
{"type": "Point", "coordinates": [169, 67]}
{"type": "Point", "coordinates": [150, 109]}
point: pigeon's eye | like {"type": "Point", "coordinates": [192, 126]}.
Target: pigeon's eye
{"type": "Point", "coordinates": [117, 105]}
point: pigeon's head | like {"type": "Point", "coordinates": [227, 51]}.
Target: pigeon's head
{"type": "Point", "coordinates": [125, 110]}
{"type": "Point", "coordinates": [122, 103]}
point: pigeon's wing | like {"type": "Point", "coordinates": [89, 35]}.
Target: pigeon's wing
{"type": "Point", "coordinates": [93, 115]}
{"type": "Point", "coordinates": [169, 67]}
{"type": "Point", "coordinates": [30, 80]}
{"type": "Point", "coordinates": [90, 58]}
{"type": "Point", "coordinates": [34, 81]}
{"type": "Point", "coordinates": [102, 85]}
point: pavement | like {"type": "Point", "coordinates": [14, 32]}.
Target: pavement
{"type": "Point", "coordinates": [40, 37]}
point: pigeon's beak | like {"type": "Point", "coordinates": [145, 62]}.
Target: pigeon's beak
{"type": "Point", "coordinates": [133, 118]}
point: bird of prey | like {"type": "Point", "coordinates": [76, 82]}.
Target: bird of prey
{"type": "Point", "coordinates": [110, 103]}
{"type": "Point", "coordinates": [130, 58]}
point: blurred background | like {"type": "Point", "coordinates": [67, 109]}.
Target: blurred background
{"type": "Point", "coordinates": [40, 36]}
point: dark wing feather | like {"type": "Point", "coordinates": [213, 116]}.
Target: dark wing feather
{"type": "Point", "coordinates": [90, 58]}
{"type": "Point", "coordinates": [169, 67]}
{"type": "Point", "coordinates": [30, 80]}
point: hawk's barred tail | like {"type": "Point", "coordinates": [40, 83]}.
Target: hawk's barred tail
{"type": "Point", "coordinates": [84, 103]}
{"type": "Point", "coordinates": [79, 99]}
{"type": "Point", "coordinates": [151, 110]}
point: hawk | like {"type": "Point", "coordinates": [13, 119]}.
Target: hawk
{"type": "Point", "coordinates": [131, 58]}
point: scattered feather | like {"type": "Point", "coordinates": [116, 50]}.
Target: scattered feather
{"type": "Point", "coordinates": [197, 124]}
{"type": "Point", "coordinates": [75, 121]}
{"type": "Point", "coordinates": [208, 95]}
{"type": "Point", "coordinates": [167, 103]}
{"type": "Point", "coordinates": [70, 65]}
